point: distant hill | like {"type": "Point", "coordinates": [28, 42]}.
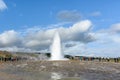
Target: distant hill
{"type": "Point", "coordinates": [5, 54]}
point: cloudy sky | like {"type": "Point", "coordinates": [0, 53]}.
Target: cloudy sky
{"type": "Point", "coordinates": [86, 27]}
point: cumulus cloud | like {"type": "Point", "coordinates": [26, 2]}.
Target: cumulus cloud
{"type": "Point", "coordinates": [42, 39]}
{"type": "Point", "coordinates": [39, 40]}
{"type": "Point", "coordinates": [71, 16]}
{"type": "Point", "coordinates": [70, 44]}
{"type": "Point", "coordinates": [78, 32]}
{"type": "Point", "coordinates": [9, 38]}
{"type": "Point", "coordinates": [106, 45]}
{"type": "Point", "coordinates": [3, 6]}
{"type": "Point", "coordinates": [115, 28]}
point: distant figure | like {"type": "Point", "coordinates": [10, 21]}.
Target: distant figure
{"type": "Point", "coordinates": [99, 59]}
{"type": "Point", "coordinates": [116, 60]}
{"type": "Point", "coordinates": [108, 59]}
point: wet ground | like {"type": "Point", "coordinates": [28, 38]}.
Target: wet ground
{"type": "Point", "coordinates": [59, 70]}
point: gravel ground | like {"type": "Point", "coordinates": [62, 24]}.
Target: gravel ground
{"type": "Point", "coordinates": [59, 70]}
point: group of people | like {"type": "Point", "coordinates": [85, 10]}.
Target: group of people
{"type": "Point", "coordinates": [9, 59]}
{"type": "Point", "coordinates": [100, 59]}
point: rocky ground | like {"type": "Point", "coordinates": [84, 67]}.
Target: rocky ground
{"type": "Point", "coordinates": [54, 70]}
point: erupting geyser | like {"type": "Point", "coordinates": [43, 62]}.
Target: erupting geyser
{"type": "Point", "coordinates": [56, 52]}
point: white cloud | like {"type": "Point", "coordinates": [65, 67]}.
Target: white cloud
{"type": "Point", "coordinates": [82, 26]}
{"type": "Point", "coordinates": [41, 39]}
{"type": "Point", "coordinates": [17, 49]}
{"type": "Point", "coordinates": [116, 39]}
{"type": "Point", "coordinates": [78, 32]}
{"type": "Point", "coordinates": [95, 14]}
{"type": "Point", "coordinates": [77, 49]}
{"type": "Point", "coordinates": [106, 45]}
{"type": "Point", "coordinates": [70, 16]}
{"type": "Point", "coordinates": [8, 38]}
{"type": "Point", "coordinates": [3, 6]}
{"type": "Point", "coordinates": [115, 28]}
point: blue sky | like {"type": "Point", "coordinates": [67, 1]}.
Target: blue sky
{"type": "Point", "coordinates": [21, 13]}
{"type": "Point", "coordinates": [19, 18]}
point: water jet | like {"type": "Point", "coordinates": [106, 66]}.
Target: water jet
{"type": "Point", "coordinates": [56, 50]}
